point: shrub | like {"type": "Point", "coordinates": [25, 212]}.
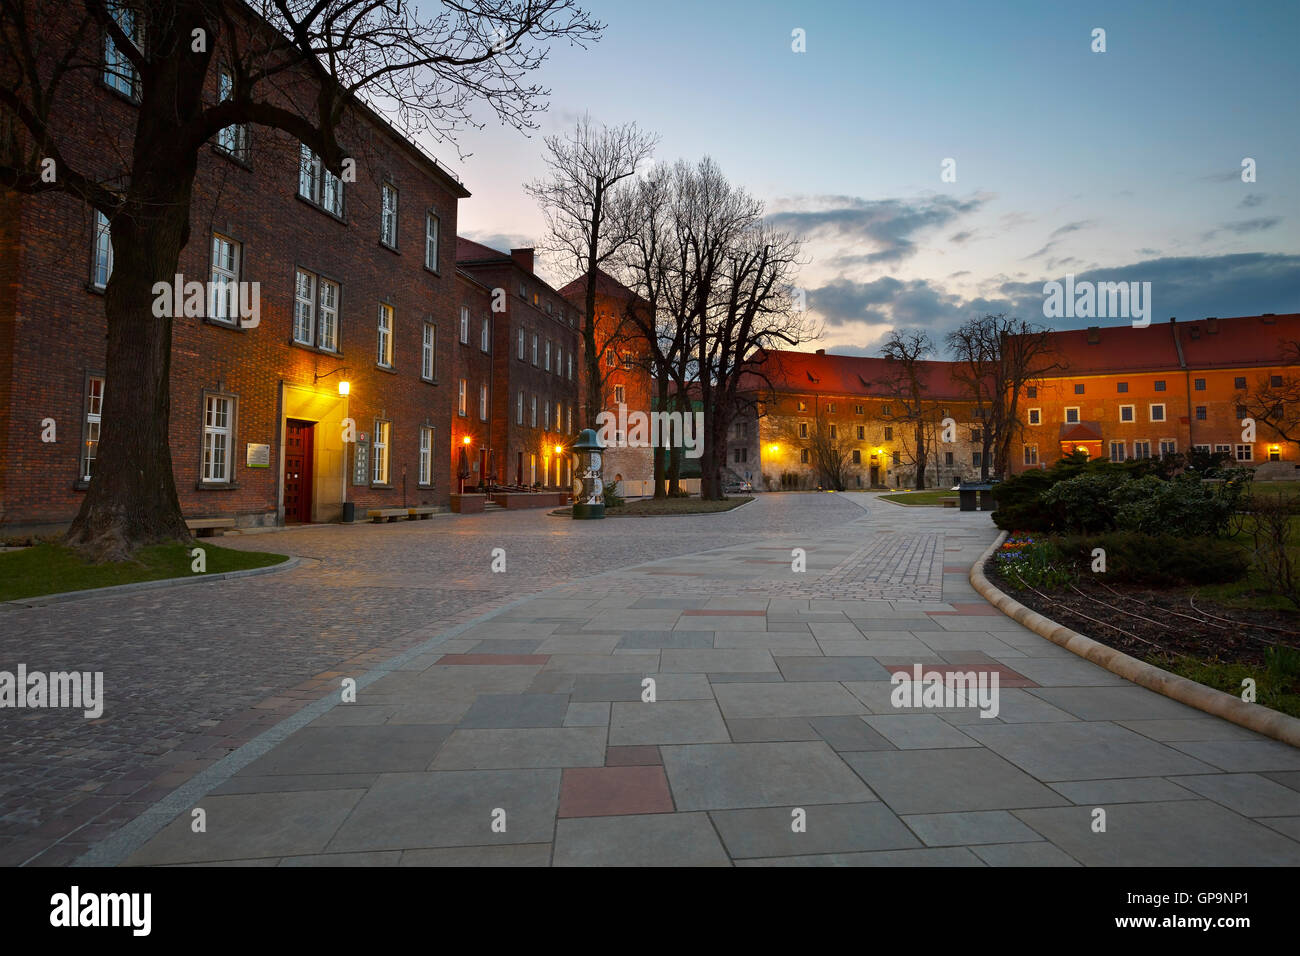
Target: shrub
{"type": "Point", "coordinates": [1035, 563]}
{"type": "Point", "coordinates": [1274, 556]}
{"type": "Point", "coordinates": [612, 498]}
{"type": "Point", "coordinates": [1085, 503]}
{"type": "Point", "coordinates": [1160, 560]}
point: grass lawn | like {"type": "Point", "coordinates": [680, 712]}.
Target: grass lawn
{"type": "Point", "coordinates": [650, 507]}
{"type": "Point", "coordinates": [932, 498]}
{"type": "Point", "coordinates": [49, 568]}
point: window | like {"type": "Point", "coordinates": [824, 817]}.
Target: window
{"type": "Point", "coordinates": [611, 358]}
{"type": "Point", "coordinates": [1031, 454]}
{"type": "Point", "coordinates": [483, 402]}
{"type": "Point", "coordinates": [559, 359]}
{"type": "Point", "coordinates": [830, 407]}
{"type": "Point", "coordinates": [889, 433]}
{"type": "Point", "coordinates": [548, 355]}
{"type": "Point", "coordinates": [385, 338]}
{"type": "Point", "coordinates": [464, 325]}
{"type": "Point", "coordinates": [119, 72]}
{"type": "Point", "coordinates": [884, 410]}
{"type": "Point", "coordinates": [534, 348]}
{"type": "Point", "coordinates": [803, 406]}
{"type": "Point", "coordinates": [1168, 447]}
{"type": "Point", "coordinates": [1121, 387]}
{"type": "Point", "coordinates": [426, 455]}
{"type": "Point", "coordinates": [1126, 413]}
{"type": "Point", "coordinates": [975, 458]}
{"type": "Point", "coordinates": [803, 456]}
{"type": "Point", "coordinates": [857, 409]}
{"type": "Point", "coordinates": [947, 458]}
{"type": "Point", "coordinates": [462, 388]}
{"type": "Point", "coordinates": [833, 433]}
{"type": "Point", "coordinates": [431, 226]}
{"type": "Point", "coordinates": [1241, 411]}
{"type": "Point", "coordinates": [428, 353]}
{"type": "Point", "coordinates": [1239, 382]}
{"type": "Point", "coordinates": [316, 311]}
{"type": "Point", "coordinates": [94, 413]}
{"type": "Point", "coordinates": [1223, 449]}
{"type": "Point", "coordinates": [1072, 415]}
{"type": "Point", "coordinates": [570, 366]}
{"type": "Point", "coordinates": [1078, 389]}
{"type": "Point", "coordinates": [1245, 453]}
{"type": "Point", "coordinates": [1198, 384]}
{"type": "Point", "coordinates": [523, 291]}
{"type": "Point", "coordinates": [218, 431]}
{"type": "Point", "coordinates": [519, 409]}
{"type": "Point", "coordinates": [233, 139]}
{"type": "Point", "coordinates": [388, 216]}
{"type": "Point", "coordinates": [1141, 449]}
{"type": "Point", "coordinates": [549, 307]}
{"type": "Point", "coordinates": [898, 458]}
{"type": "Point", "coordinates": [1117, 452]}
{"type": "Point", "coordinates": [1157, 413]}
{"type": "Point", "coordinates": [101, 263]}
{"type": "Point", "coordinates": [1035, 416]}
{"type": "Point", "coordinates": [546, 413]}
{"type": "Point", "coordinates": [857, 456]}
{"type": "Point", "coordinates": [533, 411]}
{"type": "Point", "coordinates": [977, 434]}
{"type": "Point", "coordinates": [1031, 391]}
{"type": "Point", "coordinates": [379, 452]}
{"type": "Point", "coordinates": [569, 419]}
{"type": "Point", "coordinates": [1200, 413]}
{"type": "Point", "coordinates": [1204, 448]}
{"type": "Point", "coordinates": [739, 455]}
{"type": "Point", "coordinates": [803, 429]}
{"type": "Point", "coordinates": [1160, 385]}
{"type": "Point", "coordinates": [317, 184]}
{"type": "Point", "coordinates": [943, 412]}
{"type": "Point", "coordinates": [559, 416]}
{"type": "Point", "coordinates": [620, 396]}
{"type": "Point", "coordinates": [223, 297]}
{"type": "Point", "coordinates": [1275, 381]}
{"type": "Point", "coordinates": [485, 335]}
{"type": "Point", "coordinates": [862, 433]}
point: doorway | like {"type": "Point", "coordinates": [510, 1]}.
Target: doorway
{"type": "Point", "coordinates": [297, 471]}
{"type": "Point", "coordinates": [875, 476]}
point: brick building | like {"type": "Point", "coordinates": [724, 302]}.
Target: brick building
{"type": "Point", "coordinates": [535, 359]}
{"type": "Point", "coordinates": [1127, 393]}
{"type": "Point", "coordinates": [357, 284]}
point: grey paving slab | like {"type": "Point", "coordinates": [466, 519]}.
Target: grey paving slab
{"type": "Point", "coordinates": [657, 839]}
{"type": "Point", "coordinates": [1083, 750]}
{"type": "Point", "coordinates": [682, 687]}
{"type": "Point", "coordinates": [798, 699]}
{"type": "Point", "coordinates": [1241, 756]}
{"type": "Point", "coordinates": [1247, 793]}
{"type": "Point", "coordinates": [666, 722]}
{"type": "Point", "coordinates": [848, 733]}
{"type": "Point", "coordinates": [969, 828]}
{"type": "Point", "coordinates": [1287, 826]}
{"type": "Point", "coordinates": [641, 640]}
{"type": "Point", "coordinates": [1178, 833]}
{"type": "Point", "coordinates": [1024, 854]}
{"type": "Point", "coordinates": [773, 729]}
{"type": "Point", "coordinates": [516, 645]}
{"type": "Point", "coordinates": [524, 854]}
{"type": "Point", "coordinates": [785, 643]}
{"type": "Point", "coordinates": [831, 668]}
{"type": "Point", "coordinates": [1203, 727]}
{"type": "Point", "coordinates": [947, 856]}
{"type": "Point", "coordinates": [736, 776]}
{"type": "Point", "coordinates": [1072, 672]}
{"type": "Point", "coordinates": [414, 810]}
{"type": "Point", "coordinates": [1017, 705]}
{"type": "Point", "coordinates": [286, 783]}
{"type": "Point", "coordinates": [918, 731]}
{"type": "Point", "coordinates": [1122, 790]}
{"type": "Point", "coordinates": [595, 714]}
{"type": "Point", "coordinates": [752, 660]}
{"type": "Point", "coordinates": [332, 750]}
{"type": "Point", "coordinates": [1115, 703]}
{"type": "Point", "coordinates": [381, 858]}
{"type": "Point", "coordinates": [605, 687]}
{"type": "Point", "coordinates": [522, 748]}
{"type": "Point", "coordinates": [842, 828]}
{"type": "Point", "coordinates": [516, 710]}
{"type": "Point", "coordinates": [1287, 779]}
{"type": "Point", "coordinates": [944, 781]}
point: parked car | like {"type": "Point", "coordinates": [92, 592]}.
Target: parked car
{"type": "Point", "coordinates": [738, 487]}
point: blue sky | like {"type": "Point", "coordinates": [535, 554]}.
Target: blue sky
{"type": "Point", "coordinates": [1117, 165]}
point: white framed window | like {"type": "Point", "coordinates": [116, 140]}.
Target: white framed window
{"type": "Point", "coordinates": [1168, 447]}
{"type": "Point", "coordinates": [559, 416]}
{"type": "Point", "coordinates": [1127, 413]}
{"type": "Point", "coordinates": [429, 352]}
{"type": "Point", "coordinates": [233, 139]}
{"type": "Point", "coordinates": [548, 355]}
{"type": "Point", "coordinates": [1141, 450]}
{"type": "Point", "coordinates": [570, 366]}
{"type": "Point", "coordinates": [388, 216]}
{"type": "Point", "coordinates": [431, 227]}
{"type": "Point", "coordinates": [380, 451]}
{"type": "Point", "coordinates": [620, 397]}
{"type": "Point", "coordinates": [1204, 448]}
{"type": "Point", "coordinates": [464, 325]}
{"type": "Point", "coordinates": [385, 341]}
{"type": "Point", "coordinates": [101, 263]}
{"type": "Point", "coordinates": [532, 465]}
{"type": "Point", "coordinates": [1223, 449]}
{"type": "Point", "coordinates": [521, 345]}
{"type": "Point", "coordinates": [611, 358]}
{"type": "Point", "coordinates": [559, 359]}
{"type": "Point", "coordinates": [317, 184]}
{"type": "Point", "coordinates": [1245, 453]}
{"type": "Point", "coordinates": [532, 405]}
{"type": "Point", "coordinates": [304, 308]}
{"type": "Point", "coordinates": [1157, 413]}
{"type": "Point", "coordinates": [94, 418]}
{"type": "Point", "coordinates": [483, 402]}
{"type": "Point", "coordinates": [535, 340]}
{"type": "Point", "coordinates": [1072, 414]}
{"type": "Point", "coordinates": [519, 409]}
{"type": "Point", "coordinates": [426, 455]}
{"type": "Point", "coordinates": [1031, 454]}
{"type": "Point", "coordinates": [1118, 451]}
{"type": "Point", "coordinates": [218, 432]}
{"type": "Point", "coordinates": [223, 295]}
{"type": "Point", "coordinates": [315, 311]}
{"type": "Point", "coordinates": [119, 72]}
{"type": "Point", "coordinates": [485, 335]}
{"type": "Point", "coordinates": [884, 409]}
{"type": "Point", "coordinates": [327, 319]}
{"type": "Point", "coordinates": [546, 413]}
{"type": "Point", "coordinates": [1035, 416]}
{"type": "Point", "coordinates": [462, 398]}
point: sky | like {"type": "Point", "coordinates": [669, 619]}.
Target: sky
{"type": "Point", "coordinates": [1122, 165]}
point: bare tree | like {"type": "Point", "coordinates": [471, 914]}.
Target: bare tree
{"type": "Point", "coordinates": [305, 69]}
{"type": "Point", "coordinates": [587, 203]}
{"type": "Point", "coordinates": [1274, 399]}
{"type": "Point", "coordinates": [828, 451]}
{"type": "Point", "coordinates": [907, 349]}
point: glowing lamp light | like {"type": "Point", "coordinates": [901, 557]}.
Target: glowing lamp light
{"type": "Point", "coordinates": [344, 387]}
{"type": "Point", "coordinates": [559, 449]}
{"type": "Point", "coordinates": [774, 448]}
{"type": "Point", "coordinates": [466, 440]}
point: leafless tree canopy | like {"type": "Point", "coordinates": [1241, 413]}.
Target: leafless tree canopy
{"type": "Point", "coordinates": [1273, 400]}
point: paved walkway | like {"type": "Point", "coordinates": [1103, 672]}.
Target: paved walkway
{"type": "Point", "coordinates": [527, 738]}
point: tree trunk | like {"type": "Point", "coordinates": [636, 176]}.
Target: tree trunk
{"type": "Point", "coordinates": [660, 454]}
{"type": "Point", "coordinates": [920, 457]}
{"type": "Point", "coordinates": [595, 394]}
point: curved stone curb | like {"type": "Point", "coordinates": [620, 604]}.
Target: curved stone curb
{"type": "Point", "coordinates": [688, 514]}
{"type": "Point", "coordinates": [44, 599]}
{"type": "Point", "coordinates": [1254, 717]}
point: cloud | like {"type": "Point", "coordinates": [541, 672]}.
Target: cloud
{"type": "Point", "coordinates": [502, 242]}
{"type": "Point", "coordinates": [886, 226]}
{"type": "Point", "coordinates": [1251, 201]}
{"type": "Point", "coordinates": [1244, 227]}
{"type": "Point", "coordinates": [1054, 239]}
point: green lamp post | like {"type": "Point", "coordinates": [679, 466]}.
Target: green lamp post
{"type": "Point", "coordinates": [588, 490]}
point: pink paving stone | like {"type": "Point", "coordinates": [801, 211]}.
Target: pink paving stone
{"type": "Point", "coordinates": [635, 756]}
{"type": "Point", "coordinates": [614, 791]}
{"type": "Point", "coordinates": [503, 659]}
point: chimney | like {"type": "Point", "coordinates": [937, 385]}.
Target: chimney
{"type": "Point", "coordinates": [523, 257]}
{"type": "Point", "coordinates": [821, 351]}
{"type": "Point", "coordinates": [1173, 319]}
{"type": "Point", "coordinates": [1269, 318]}
{"type": "Point", "coordinates": [1094, 334]}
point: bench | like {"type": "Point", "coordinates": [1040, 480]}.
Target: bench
{"type": "Point", "coordinates": [378, 515]}
{"type": "Point", "coordinates": [207, 527]}
{"type": "Point", "coordinates": [949, 502]}
{"type": "Point", "coordinates": [420, 513]}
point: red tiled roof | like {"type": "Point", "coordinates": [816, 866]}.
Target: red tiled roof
{"type": "Point", "coordinates": [848, 375]}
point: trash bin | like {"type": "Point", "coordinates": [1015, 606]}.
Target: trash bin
{"type": "Point", "coordinates": [349, 512]}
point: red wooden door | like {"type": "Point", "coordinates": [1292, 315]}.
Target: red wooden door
{"type": "Point", "coordinates": [297, 471]}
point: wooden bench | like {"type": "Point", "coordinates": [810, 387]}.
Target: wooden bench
{"type": "Point", "coordinates": [379, 515]}
{"type": "Point", "coordinates": [949, 502]}
{"type": "Point", "coordinates": [207, 527]}
{"type": "Point", "coordinates": [420, 513]}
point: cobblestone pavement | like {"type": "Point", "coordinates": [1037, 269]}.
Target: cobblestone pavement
{"type": "Point", "coordinates": [722, 708]}
{"type": "Point", "coordinates": [192, 673]}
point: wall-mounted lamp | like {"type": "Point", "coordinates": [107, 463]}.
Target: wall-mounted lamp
{"type": "Point", "coordinates": [344, 385]}
{"type": "Point", "coordinates": [467, 440]}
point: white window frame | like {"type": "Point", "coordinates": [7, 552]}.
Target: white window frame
{"type": "Point", "coordinates": [1035, 416]}
{"type": "Point", "coordinates": [426, 456]}
{"type": "Point", "coordinates": [380, 452]}
{"type": "Point", "coordinates": [223, 289]}
{"type": "Point", "coordinates": [233, 139]}
{"type": "Point", "coordinates": [519, 410]}
{"type": "Point", "coordinates": [432, 231]}
{"type": "Point", "coordinates": [388, 215]}
{"type": "Point", "coordinates": [620, 395]}
{"type": "Point", "coordinates": [483, 401]}
{"type": "Point", "coordinates": [1245, 453]}
{"type": "Point", "coordinates": [1132, 414]}
{"type": "Point", "coordinates": [464, 325]}
{"type": "Point", "coordinates": [218, 440]}
{"type": "Point", "coordinates": [523, 352]}
{"type": "Point", "coordinates": [101, 259]}
{"type": "Point", "coordinates": [429, 353]}
{"type": "Point", "coordinates": [535, 348]}
{"type": "Point", "coordinates": [548, 355]}
{"type": "Point", "coordinates": [570, 366]}
{"type": "Point", "coordinates": [533, 411]}
{"type": "Point", "coordinates": [1075, 419]}
{"type": "Point", "coordinates": [1031, 454]}
{"type": "Point", "coordinates": [1123, 451]}
{"type": "Point", "coordinates": [485, 335]}
{"type": "Point", "coordinates": [304, 307]}
{"type": "Point", "coordinates": [384, 336]}
{"type": "Point", "coordinates": [119, 72]}
{"type": "Point", "coordinates": [1140, 446]}
{"type": "Point", "coordinates": [94, 406]}
{"type": "Point", "coordinates": [1173, 447]}
{"type": "Point", "coordinates": [317, 184]}
{"type": "Point", "coordinates": [1151, 412]}
{"type": "Point", "coordinates": [462, 398]}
